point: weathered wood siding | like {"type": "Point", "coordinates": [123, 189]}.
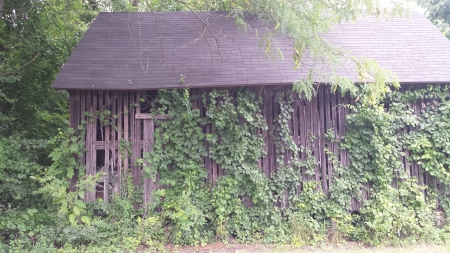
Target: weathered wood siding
{"type": "Point", "coordinates": [131, 127]}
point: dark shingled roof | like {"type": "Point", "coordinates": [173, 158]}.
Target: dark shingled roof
{"type": "Point", "coordinates": [134, 51]}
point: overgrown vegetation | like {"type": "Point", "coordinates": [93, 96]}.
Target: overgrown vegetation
{"type": "Point", "coordinates": [245, 204]}
{"type": "Point", "coordinates": [37, 158]}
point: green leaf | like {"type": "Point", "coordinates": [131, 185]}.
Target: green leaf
{"type": "Point", "coordinates": [31, 211]}
{"type": "Point", "coordinates": [72, 218]}
{"type": "Point", "coordinates": [80, 204]}
{"type": "Point", "coordinates": [85, 220]}
{"type": "Point", "coordinates": [76, 210]}
{"type": "Point", "coordinates": [63, 208]}
{"type": "Point", "coordinates": [81, 194]}
{"type": "Point", "coordinates": [58, 201]}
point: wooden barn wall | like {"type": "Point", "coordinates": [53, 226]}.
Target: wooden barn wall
{"type": "Point", "coordinates": [135, 129]}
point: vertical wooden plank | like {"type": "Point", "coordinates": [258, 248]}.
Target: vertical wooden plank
{"type": "Point", "coordinates": [109, 105]}
{"type": "Point", "coordinates": [303, 121]}
{"type": "Point", "coordinates": [295, 121]}
{"type": "Point", "coordinates": [334, 119]}
{"type": "Point", "coordinates": [113, 140]}
{"type": "Point", "coordinates": [270, 127]}
{"type": "Point", "coordinates": [309, 130]}
{"type": "Point", "coordinates": [107, 136]}
{"type": "Point", "coordinates": [406, 162]}
{"type": "Point", "coordinates": [74, 122]}
{"type": "Point", "coordinates": [137, 139]}
{"type": "Point", "coordinates": [207, 129]}
{"type": "Point", "coordinates": [133, 139]}
{"type": "Point", "coordinates": [194, 94]}
{"type": "Point", "coordinates": [258, 92]}
{"type": "Point", "coordinates": [120, 116]}
{"type": "Point", "coordinates": [151, 138]}
{"type": "Point", "coordinates": [95, 97]}
{"type": "Point", "coordinates": [321, 136]}
{"type": "Point", "coordinates": [91, 137]}
{"type": "Point", "coordinates": [126, 134]}
{"type": "Point", "coordinates": [275, 125]}
{"type": "Point", "coordinates": [315, 130]}
{"type": "Point", "coordinates": [139, 135]}
{"type": "Point", "coordinates": [347, 102]}
{"type": "Point", "coordinates": [148, 142]}
{"type": "Point", "coordinates": [341, 128]}
{"type": "Point", "coordinates": [83, 117]}
{"type": "Point", "coordinates": [220, 170]}
{"type": "Point", "coordinates": [295, 131]}
{"type": "Point", "coordinates": [415, 168]}
{"type": "Point", "coordinates": [267, 100]}
{"type": "Point", "coordinates": [435, 184]}
{"type": "Point", "coordinates": [414, 164]}
{"type": "Point", "coordinates": [329, 98]}
{"type": "Point", "coordinates": [419, 169]}
{"type": "Point", "coordinates": [88, 140]}
{"type": "Point", "coordinates": [214, 167]}
{"type": "Point", "coordinates": [74, 109]}
{"type": "Point", "coordinates": [408, 129]}
{"type": "Point", "coordinates": [101, 109]}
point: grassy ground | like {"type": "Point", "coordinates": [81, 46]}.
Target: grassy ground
{"type": "Point", "coordinates": [361, 249]}
{"type": "Point", "coordinates": [345, 248]}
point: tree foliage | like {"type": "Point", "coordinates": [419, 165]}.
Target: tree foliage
{"type": "Point", "coordinates": [438, 11]}
{"type": "Point", "coordinates": [36, 37]}
{"type": "Point", "coordinates": [37, 158]}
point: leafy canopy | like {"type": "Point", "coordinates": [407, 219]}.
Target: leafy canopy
{"type": "Point", "coordinates": [438, 11]}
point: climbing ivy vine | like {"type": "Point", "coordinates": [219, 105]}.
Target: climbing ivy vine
{"type": "Point", "coordinates": [246, 204]}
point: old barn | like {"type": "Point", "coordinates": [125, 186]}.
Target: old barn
{"type": "Point", "coordinates": [125, 58]}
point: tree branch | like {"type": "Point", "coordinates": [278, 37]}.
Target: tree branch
{"type": "Point", "coordinates": [17, 70]}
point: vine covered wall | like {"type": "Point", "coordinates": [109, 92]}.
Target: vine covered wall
{"type": "Point", "coordinates": [262, 161]}
{"type": "Point", "coordinates": [116, 120]}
